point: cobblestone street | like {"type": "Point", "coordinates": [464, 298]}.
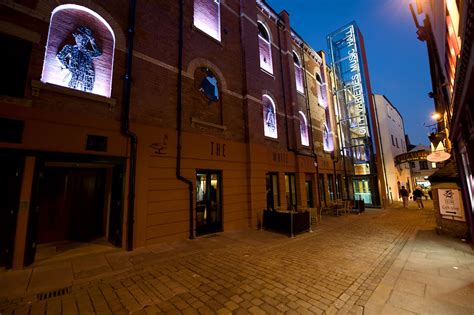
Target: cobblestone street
{"type": "Point", "coordinates": [334, 269]}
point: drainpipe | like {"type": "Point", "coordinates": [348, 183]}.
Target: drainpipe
{"type": "Point", "coordinates": [126, 123]}
{"type": "Point", "coordinates": [308, 112]}
{"type": "Point", "coordinates": [283, 86]}
{"type": "Point", "coordinates": [179, 110]}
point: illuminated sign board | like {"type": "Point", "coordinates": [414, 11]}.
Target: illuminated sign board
{"type": "Point", "coordinates": [412, 156]}
{"type": "Point", "coordinates": [357, 108]}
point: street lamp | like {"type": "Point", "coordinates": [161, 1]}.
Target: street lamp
{"type": "Point", "coordinates": [436, 116]}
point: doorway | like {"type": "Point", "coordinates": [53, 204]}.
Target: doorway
{"type": "Point", "coordinates": [208, 202]}
{"type": "Point", "coordinates": [71, 203]}
{"type": "Point", "coordinates": [74, 204]}
{"type": "Point", "coordinates": [11, 171]}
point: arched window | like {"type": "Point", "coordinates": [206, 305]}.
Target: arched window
{"type": "Point", "coordinates": [321, 91]}
{"type": "Point", "coordinates": [298, 72]}
{"type": "Point", "coordinates": [207, 17]}
{"type": "Point", "coordinates": [304, 129]}
{"type": "Point", "coordinates": [208, 85]}
{"type": "Point", "coordinates": [328, 142]}
{"type": "Point", "coordinates": [265, 48]}
{"type": "Point", "coordinates": [79, 51]}
{"type": "Point", "coordinates": [269, 117]}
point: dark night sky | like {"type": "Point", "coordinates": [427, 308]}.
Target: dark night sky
{"type": "Point", "coordinates": [398, 61]}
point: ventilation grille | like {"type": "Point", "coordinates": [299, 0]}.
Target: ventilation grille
{"type": "Point", "coordinates": [55, 293]}
{"type": "Point", "coordinates": [96, 143]}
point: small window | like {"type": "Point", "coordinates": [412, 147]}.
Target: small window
{"type": "Point", "coordinates": [396, 141]}
{"type": "Point", "coordinates": [207, 17]}
{"type": "Point", "coordinates": [393, 141]}
{"type": "Point", "coordinates": [96, 143]}
{"type": "Point", "coordinates": [209, 87]}
{"type": "Point", "coordinates": [304, 129]}
{"type": "Point", "coordinates": [14, 62]}
{"type": "Point", "coordinates": [433, 164]}
{"type": "Point", "coordinates": [298, 73]}
{"type": "Point", "coordinates": [11, 130]}
{"type": "Point", "coordinates": [412, 165]}
{"type": "Point", "coordinates": [318, 79]}
{"type": "Point", "coordinates": [423, 165]}
{"type": "Point", "coordinates": [265, 48]}
{"type": "Point", "coordinates": [269, 117]}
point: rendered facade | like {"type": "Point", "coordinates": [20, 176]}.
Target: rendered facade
{"type": "Point", "coordinates": [138, 124]}
{"type": "Point", "coordinates": [391, 133]}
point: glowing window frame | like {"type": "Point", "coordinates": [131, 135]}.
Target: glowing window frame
{"type": "Point", "coordinates": [304, 138]}
{"type": "Point", "coordinates": [216, 34]}
{"type": "Point", "coordinates": [269, 44]}
{"type": "Point", "coordinates": [298, 75]}
{"type": "Point", "coordinates": [265, 129]}
{"type": "Point", "coordinates": [102, 20]}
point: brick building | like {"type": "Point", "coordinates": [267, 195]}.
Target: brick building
{"type": "Point", "coordinates": [164, 121]}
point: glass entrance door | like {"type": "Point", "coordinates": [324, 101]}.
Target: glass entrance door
{"type": "Point", "coordinates": [208, 202]}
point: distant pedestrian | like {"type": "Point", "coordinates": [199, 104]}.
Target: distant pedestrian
{"type": "Point", "coordinates": [430, 193]}
{"type": "Point", "coordinates": [404, 194]}
{"type": "Point", "coordinates": [418, 196]}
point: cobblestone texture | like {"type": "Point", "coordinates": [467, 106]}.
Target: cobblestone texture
{"type": "Point", "coordinates": [333, 270]}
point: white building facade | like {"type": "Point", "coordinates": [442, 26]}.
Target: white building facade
{"type": "Point", "coordinates": [389, 123]}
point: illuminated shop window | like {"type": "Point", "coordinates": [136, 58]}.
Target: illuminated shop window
{"type": "Point", "coordinates": [80, 50]}
{"type": "Point", "coordinates": [207, 17]}
{"type": "Point", "coordinates": [208, 86]}
{"type": "Point", "coordinates": [298, 73]}
{"type": "Point", "coordinates": [304, 129]}
{"type": "Point", "coordinates": [269, 117]}
{"type": "Point", "coordinates": [265, 48]}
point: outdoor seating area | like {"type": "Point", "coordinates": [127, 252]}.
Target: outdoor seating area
{"type": "Point", "coordinates": [290, 222]}
{"type": "Point", "coordinates": [286, 222]}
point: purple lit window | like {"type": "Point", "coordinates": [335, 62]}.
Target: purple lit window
{"type": "Point", "coordinates": [269, 117]}
{"type": "Point", "coordinates": [298, 73]}
{"type": "Point", "coordinates": [79, 51]}
{"type": "Point", "coordinates": [265, 48]}
{"type": "Point", "coordinates": [207, 17]}
{"type": "Point", "coordinates": [304, 129]}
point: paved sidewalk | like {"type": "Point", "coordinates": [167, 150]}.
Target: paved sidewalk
{"type": "Point", "coordinates": [354, 264]}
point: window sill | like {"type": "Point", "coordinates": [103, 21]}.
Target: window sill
{"type": "Point", "coordinates": [37, 86]}
{"type": "Point", "coordinates": [196, 121]}
{"type": "Point", "coordinates": [272, 139]}
{"type": "Point", "coordinates": [197, 29]}
{"type": "Point", "coordinates": [267, 73]}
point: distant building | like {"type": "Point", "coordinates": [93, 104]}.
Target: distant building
{"type": "Point", "coordinates": [391, 131]}
{"type": "Point", "coordinates": [421, 169]}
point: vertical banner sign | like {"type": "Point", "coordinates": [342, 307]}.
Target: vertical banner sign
{"type": "Point", "coordinates": [351, 92]}
{"type": "Point", "coordinates": [450, 203]}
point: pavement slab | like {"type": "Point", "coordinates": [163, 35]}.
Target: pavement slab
{"type": "Point", "coordinates": [380, 262]}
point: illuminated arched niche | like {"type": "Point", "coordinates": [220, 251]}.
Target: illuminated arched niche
{"type": "Point", "coordinates": [269, 117]}
{"type": "Point", "coordinates": [70, 19]}
{"type": "Point", "coordinates": [304, 129]}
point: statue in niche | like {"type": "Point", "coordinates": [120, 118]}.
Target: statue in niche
{"type": "Point", "coordinates": [78, 59]}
